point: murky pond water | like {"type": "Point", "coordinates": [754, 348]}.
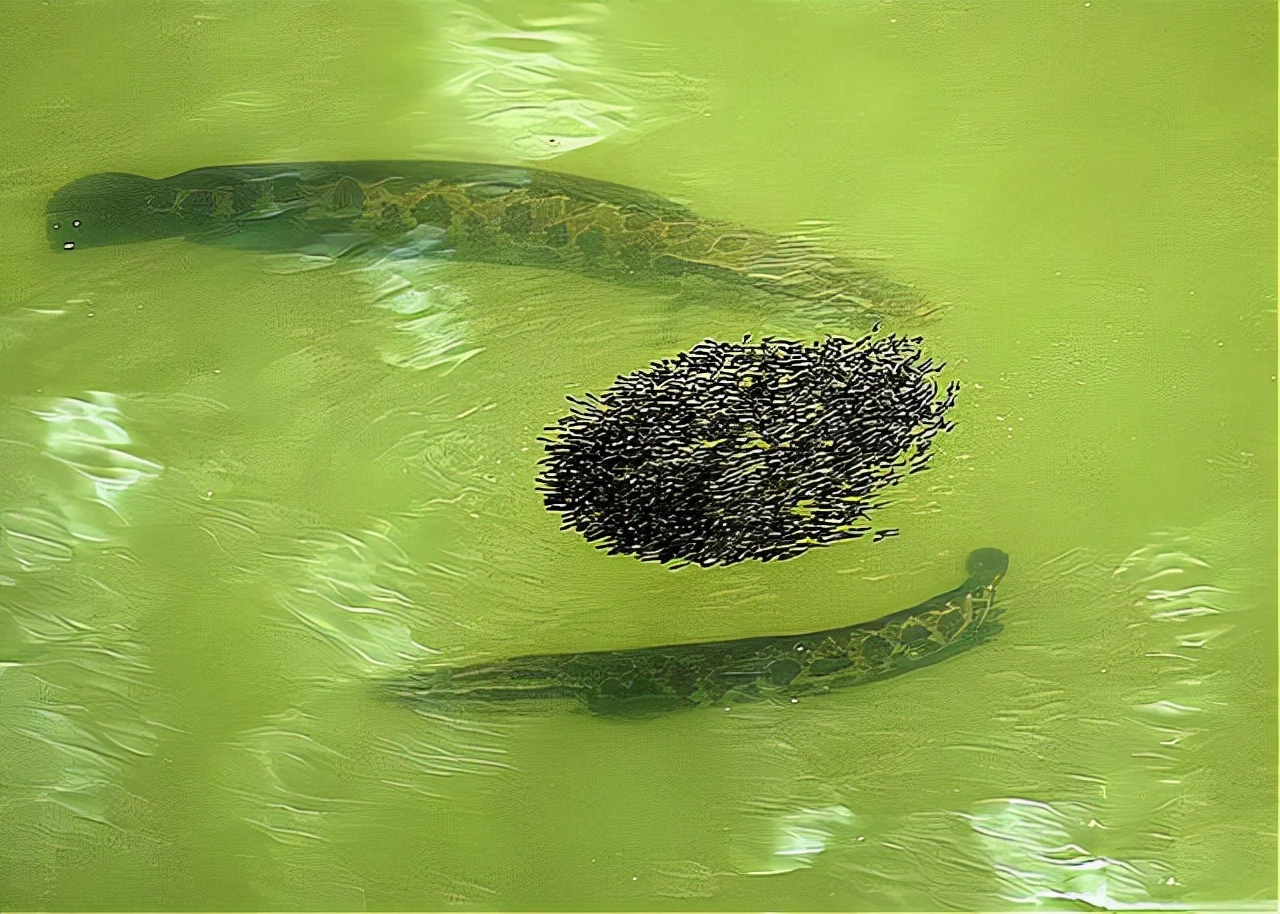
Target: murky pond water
{"type": "Point", "coordinates": [244, 490]}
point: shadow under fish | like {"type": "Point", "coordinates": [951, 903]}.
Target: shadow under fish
{"type": "Point", "coordinates": [671, 677]}
{"type": "Point", "coordinates": [476, 212]}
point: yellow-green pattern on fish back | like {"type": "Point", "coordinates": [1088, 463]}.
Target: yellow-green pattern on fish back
{"type": "Point", "coordinates": [473, 211]}
{"type": "Point", "coordinates": [688, 675]}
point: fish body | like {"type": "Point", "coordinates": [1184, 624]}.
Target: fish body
{"type": "Point", "coordinates": [714, 673]}
{"type": "Point", "coordinates": [478, 212]}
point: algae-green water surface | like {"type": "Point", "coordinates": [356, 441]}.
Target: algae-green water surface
{"type": "Point", "coordinates": [239, 491]}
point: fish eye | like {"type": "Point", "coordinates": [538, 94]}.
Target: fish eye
{"type": "Point", "coordinates": [75, 224]}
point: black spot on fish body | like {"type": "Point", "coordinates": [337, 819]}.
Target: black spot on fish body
{"type": "Point", "coordinates": [636, 222]}
{"type": "Point", "coordinates": [518, 220]}
{"type": "Point", "coordinates": [591, 242]}
{"type": "Point", "coordinates": [913, 632]}
{"type": "Point", "coordinates": [558, 235]}
{"type": "Point", "coordinates": [782, 671]}
{"type": "Point", "coordinates": [613, 688]}
{"type": "Point", "coordinates": [433, 210]}
{"type": "Point", "coordinates": [730, 244]}
{"type": "Point", "coordinates": [643, 685]}
{"type": "Point", "coordinates": [950, 621]}
{"type": "Point", "coordinates": [876, 650]}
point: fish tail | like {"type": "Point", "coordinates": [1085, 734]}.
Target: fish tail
{"type": "Point", "coordinates": [798, 267]}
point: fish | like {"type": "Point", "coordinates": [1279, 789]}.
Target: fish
{"type": "Point", "coordinates": [716, 673]}
{"type": "Point", "coordinates": [468, 211]}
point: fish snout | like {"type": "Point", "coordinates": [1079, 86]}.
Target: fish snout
{"type": "Point", "coordinates": [107, 209]}
{"type": "Point", "coordinates": [64, 232]}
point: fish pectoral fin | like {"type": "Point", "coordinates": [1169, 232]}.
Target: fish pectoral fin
{"type": "Point", "coordinates": [635, 706]}
{"type": "Point", "coordinates": [337, 244]}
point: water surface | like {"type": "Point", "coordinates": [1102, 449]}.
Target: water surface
{"type": "Point", "coordinates": [238, 489]}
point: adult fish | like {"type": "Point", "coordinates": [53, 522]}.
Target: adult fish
{"type": "Point", "coordinates": [716, 672]}
{"type": "Point", "coordinates": [491, 213]}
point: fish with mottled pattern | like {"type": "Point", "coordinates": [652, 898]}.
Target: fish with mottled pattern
{"type": "Point", "coordinates": [715, 673]}
{"type": "Point", "coordinates": [490, 213]}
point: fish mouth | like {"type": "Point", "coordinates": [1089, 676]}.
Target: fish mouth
{"type": "Point", "coordinates": [60, 230]}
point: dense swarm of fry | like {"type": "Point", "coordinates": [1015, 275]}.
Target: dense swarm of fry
{"type": "Point", "coordinates": [735, 451]}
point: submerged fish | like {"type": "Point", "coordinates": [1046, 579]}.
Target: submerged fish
{"type": "Point", "coordinates": [492, 213]}
{"type": "Point", "coordinates": [712, 673]}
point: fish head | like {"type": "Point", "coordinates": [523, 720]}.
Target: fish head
{"type": "Point", "coordinates": [986, 567]}
{"type": "Point", "coordinates": [110, 208]}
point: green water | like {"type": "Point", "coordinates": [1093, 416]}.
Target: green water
{"type": "Point", "coordinates": [240, 490]}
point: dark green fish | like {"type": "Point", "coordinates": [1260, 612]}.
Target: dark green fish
{"type": "Point", "coordinates": [718, 672]}
{"type": "Point", "coordinates": [492, 213]}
